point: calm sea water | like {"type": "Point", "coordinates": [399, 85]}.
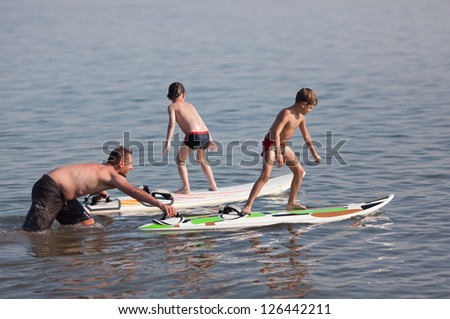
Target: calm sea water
{"type": "Point", "coordinates": [76, 75]}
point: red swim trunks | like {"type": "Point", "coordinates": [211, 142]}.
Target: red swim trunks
{"type": "Point", "coordinates": [269, 145]}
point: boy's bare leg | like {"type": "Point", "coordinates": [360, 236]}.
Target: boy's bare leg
{"type": "Point", "coordinates": [268, 163]}
{"type": "Point", "coordinates": [201, 158]}
{"type": "Point", "coordinates": [182, 156]}
{"type": "Point", "coordinates": [294, 165]}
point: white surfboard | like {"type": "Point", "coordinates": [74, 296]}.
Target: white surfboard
{"type": "Point", "coordinates": [234, 220]}
{"type": "Point", "coordinates": [231, 194]}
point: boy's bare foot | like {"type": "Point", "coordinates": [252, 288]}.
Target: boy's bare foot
{"type": "Point", "coordinates": [246, 211]}
{"type": "Point", "coordinates": [213, 189]}
{"type": "Point", "coordinates": [183, 190]}
{"type": "Point", "coordinates": [294, 206]}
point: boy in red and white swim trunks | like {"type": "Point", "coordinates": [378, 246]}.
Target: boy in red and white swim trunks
{"type": "Point", "coordinates": [269, 145]}
{"type": "Point", "coordinates": [197, 136]}
{"type": "Point", "coordinates": [276, 151]}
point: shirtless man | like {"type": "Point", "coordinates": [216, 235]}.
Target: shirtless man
{"type": "Point", "coordinates": [197, 136]}
{"type": "Point", "coordinates": [54, 196]}
{"type": "Point", "coordinates": [275, 149]}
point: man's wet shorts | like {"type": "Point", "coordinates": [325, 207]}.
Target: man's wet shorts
{"type": "Point", "coordinates": [48, 203]}
{"type": "Point", "coordinates": [196, 140]}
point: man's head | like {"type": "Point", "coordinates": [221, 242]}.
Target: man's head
{"type": "Point", "coordinates": [120, 158]}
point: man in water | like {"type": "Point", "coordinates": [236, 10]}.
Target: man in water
{"type": "Point", "coordinates": [54, 196]}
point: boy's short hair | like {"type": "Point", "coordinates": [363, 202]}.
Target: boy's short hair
{"type": "Point", "coordinates": [306, 95]}
{"type": "Point", "coordinates": [117, 155]}
{"type": "Point", "coordinates": [175, 90]}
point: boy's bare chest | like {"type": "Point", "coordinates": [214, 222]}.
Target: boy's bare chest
{"type": "Point", "coordinates": [293, 123]}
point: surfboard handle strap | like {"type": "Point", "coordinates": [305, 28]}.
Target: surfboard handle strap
{"type": "Point", "coordinates": [95, 198]}
{"type": "Point", "coordinates": [223, 209]}
{"type": "Point", "coordinates": [165, 216]}
{"type": "Point", "coordinates": [231, 209]}
{"type": "Point", "coordinates": [159, 194]}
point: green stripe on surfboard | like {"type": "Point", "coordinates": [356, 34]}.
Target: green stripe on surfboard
{"type": "Point", "coordinates": [257, 214]}
{"type": "Point", "coordinates": [155, 226]}
{"type": "Point", "coordinates": [203, 220]}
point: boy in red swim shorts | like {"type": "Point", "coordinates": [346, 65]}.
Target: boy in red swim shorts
{"type": "Point", "coordinates": [197, 136]}
{"type": "Point", "coordinates": [276, 151]}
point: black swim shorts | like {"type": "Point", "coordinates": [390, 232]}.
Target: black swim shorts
{"type": "Point", "coordinates": [196, 140]}
{"type": "Point", "coordinates": [48, 203]}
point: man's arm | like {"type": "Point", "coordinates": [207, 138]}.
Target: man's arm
{"type": "Point", "coordinates": [122, 184]}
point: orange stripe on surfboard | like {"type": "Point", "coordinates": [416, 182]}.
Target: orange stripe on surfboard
{"type": "Point", "coordinates": [129, 202]}
{"type": "Point", "coordinates": [335, 214]}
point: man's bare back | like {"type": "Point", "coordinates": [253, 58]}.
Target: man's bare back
{"type": "Point", "coordinates": [82, 179]}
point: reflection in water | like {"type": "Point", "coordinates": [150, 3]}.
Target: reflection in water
{"type": "Point", "coordinates": [53, 243]}
{"type": "Point", "coordinates": [191, 262]}
{"type": "Point", "coordinates": [201, 264]}
{"type": "Point", "coordinates": [67, 240]}
{"type": "Point", "coordinates": [85, 263]}
{"type": "Point", "coordinates": [286, 272]}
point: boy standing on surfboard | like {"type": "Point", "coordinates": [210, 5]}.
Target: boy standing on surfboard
{"type": "Point", "coordinates": [197, 136]}
{"type": "Point", "coordinates": [54, 195]}
{"type": "Point", "coordinates": [276, 151]}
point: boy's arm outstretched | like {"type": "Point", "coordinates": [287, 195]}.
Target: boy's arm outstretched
{"type": "Point", "coordinates": [170, 129]}
{"type": "Point", "coordinates": [309, 142]}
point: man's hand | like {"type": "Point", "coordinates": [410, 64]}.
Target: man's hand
{"type": "Point", "coordinates": [104, 194]}
{"type": "Point", "coordinates": [169, 210]}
